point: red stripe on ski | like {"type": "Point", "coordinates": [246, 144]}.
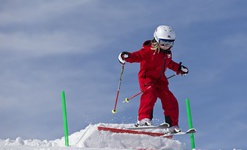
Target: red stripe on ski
{"type": "Point", "coordinates": [118, 130]}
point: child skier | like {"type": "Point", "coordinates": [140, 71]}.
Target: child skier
{"type": "Point", "coordinates": [155, 57]}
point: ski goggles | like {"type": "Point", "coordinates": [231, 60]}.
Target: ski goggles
{"type": "Point", "coordinates": [166, 43]}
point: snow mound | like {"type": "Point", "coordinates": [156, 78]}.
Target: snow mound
{"type": "Point", "coordinates": [92, 138]}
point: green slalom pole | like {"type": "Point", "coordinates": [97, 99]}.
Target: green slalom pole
{"type": "Point", "coordinates": [65, 122]}
{"type": "Point", "coordinates": [192, 139]}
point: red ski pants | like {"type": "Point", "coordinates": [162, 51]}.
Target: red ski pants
{"type": "Point", "coordinates": [168, 101]}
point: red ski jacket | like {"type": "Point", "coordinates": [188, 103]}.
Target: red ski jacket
{"type": "Point", "coordinates": [153, 65]}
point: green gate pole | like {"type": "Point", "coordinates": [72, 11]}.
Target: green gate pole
{"type": "Point", "coordinates": [192, 139]}
{"type": "Point", "coordinates": [65, 122]}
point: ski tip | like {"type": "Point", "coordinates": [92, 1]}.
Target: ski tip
{"type": "Point", "coordinates": [192, 130]}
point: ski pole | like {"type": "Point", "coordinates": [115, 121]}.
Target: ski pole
{"type": "Point", "coordinates": [118, 90]}
{"type": "Point", "coordinates": [128, 99]}
{"type": "Point", "coordinates": [171, 76]}
{"type": "Point", "coordinates": [133, 96]}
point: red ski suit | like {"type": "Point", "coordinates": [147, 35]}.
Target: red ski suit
{"type": "Point", "coordinates": [154, 83]}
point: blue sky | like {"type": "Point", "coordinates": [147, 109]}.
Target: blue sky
{"type": "Point", "coordinates": [49, 46]}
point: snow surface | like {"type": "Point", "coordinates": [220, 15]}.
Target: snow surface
{"type": "Point", "coordinates": [92, 139]}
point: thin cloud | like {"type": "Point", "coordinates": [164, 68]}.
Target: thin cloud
{"type": "Point", "coordinates": [26, 12]}
{"type": "Point", "coordinates": [50, 43]}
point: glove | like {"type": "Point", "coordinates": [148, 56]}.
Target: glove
{"type": "Point", "coordinates": [122, 56]}
{"type": "Point", "coordinates": [183, 70]}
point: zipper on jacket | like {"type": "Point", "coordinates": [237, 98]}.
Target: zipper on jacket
{"type": "Point", "coordinates": [163, 68]}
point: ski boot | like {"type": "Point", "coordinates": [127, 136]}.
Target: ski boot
{"type": "Point", "coordinates": [143, 122]}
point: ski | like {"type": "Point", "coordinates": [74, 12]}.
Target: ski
{"type": "Point", "coordinates": [150, 133]}
{"type": "Point", "coordinates": [161, 126]}
{"type": "Point", "coordinates": [128, 131]}
{"type": "Point", "coordinates": [192, 130]}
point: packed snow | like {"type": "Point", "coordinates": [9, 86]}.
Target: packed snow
{"type": "Point", "coordinates": [91, 138]}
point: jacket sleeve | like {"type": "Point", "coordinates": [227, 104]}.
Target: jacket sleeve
{"type": "Point", "coordinates": [174, 66]}
{"type": "Point", "coordinates": [137, 56]}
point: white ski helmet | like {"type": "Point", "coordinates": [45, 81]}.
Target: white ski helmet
{"type": "Point", "coordinates": [164, 32]}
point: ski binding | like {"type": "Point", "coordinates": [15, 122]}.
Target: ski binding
{"type": "Point", "coordinates": [161, 126]}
